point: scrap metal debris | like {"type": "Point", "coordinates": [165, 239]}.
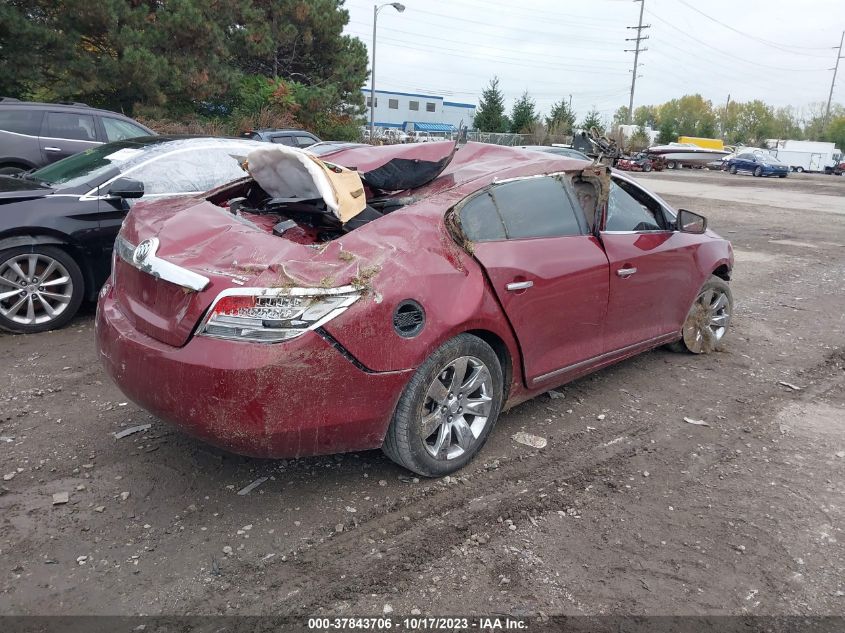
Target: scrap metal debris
{"type": "Point", "coordinates": [696, 422]}
{"type": "Point", "coordinates": [534, 441]}
{"type": "Point", "coordinates": [247, 489]}
{"type": "Point", "coordinates": [790, 385]}
{"type": "Point", "coordinates": [131, 430]}
{"type": "Point", "coordinates": [554, 395]}
{"type": "Point", "coordinates": [60, 497]}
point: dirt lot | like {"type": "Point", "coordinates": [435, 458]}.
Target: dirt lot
{"type": "Point", "coordinates": [629, 509]}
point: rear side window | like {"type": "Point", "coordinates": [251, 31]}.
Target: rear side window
{"type": "Point", "coordinates": [282, 140]}
{"type": "Point", "coordinates": [69, 125]}
{"type": "Point", "coordinates": [304, 141]}
{"type": "Point", "coordinates": [481, 221]}
{"type": "Point", "coordinates": [21, 121]}
{"type": "Point", "coordinates": [535, 207]}
{"type": "Point", "coordinates": [118, 129]}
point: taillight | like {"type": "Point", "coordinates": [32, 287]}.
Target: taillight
{"type": "Point", "coordinates": [273, 315]}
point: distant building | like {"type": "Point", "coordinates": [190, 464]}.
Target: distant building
{"type": "Point", "coordinates": [418, 112]}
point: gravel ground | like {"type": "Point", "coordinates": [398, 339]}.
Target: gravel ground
{"type": "Point", "coordinates": [628, 509]}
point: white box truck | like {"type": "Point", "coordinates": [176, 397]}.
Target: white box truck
{"type": "Point", "coordinates": [806, 155]}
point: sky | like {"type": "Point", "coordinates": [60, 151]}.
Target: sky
{"type": "Point", "coordinates": [780, 51]}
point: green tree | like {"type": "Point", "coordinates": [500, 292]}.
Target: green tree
{"type": "Point", "coordinates": [691, 115]}
{"type": "Point", "coordinates": [668, 133]}
{"type": "Point", "coordinates": [836, 131]}
{"type": "Point", "coordinates": [639, 140]}
{"type": "Point", "coordinates": [561, 118]}
{"type": "Point", "coordinates": [523, 114]}
{"type": "Point", "coordinates": [645, 116]}
{"type": "Point", "coordinates": [490, 115]}
{"type": "Point", "coordinates": [302, 41]}
{"type": "Point", "coordinates": [593, 119]}
{"type": "Point", "coordinates": [116, 53]}
{"type": "Point", "coordinates": [620, 117]}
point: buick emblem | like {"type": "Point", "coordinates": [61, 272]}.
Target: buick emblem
{"type": "Point", "coordinates": [142, 251]}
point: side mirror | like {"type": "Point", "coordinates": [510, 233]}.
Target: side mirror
{"type": "Point", "coordinates": [126, 188]}
{"type": "Point", "coordinates": [689, 222]}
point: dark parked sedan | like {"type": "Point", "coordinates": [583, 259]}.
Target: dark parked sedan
{"type": "Point", "coordinates": [58, 224]}
{"type": "Point", "coordinates": [757, 165]}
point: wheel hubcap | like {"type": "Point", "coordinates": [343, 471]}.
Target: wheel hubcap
{"type": "Point", "coordinates": [707, 321]}
{"type": "Point", "coordinates": [34, 288]}
{"type": "Point", "coordinates": [457, 406]}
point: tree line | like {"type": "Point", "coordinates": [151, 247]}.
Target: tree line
{"type": "Point", "coordinates": [280, 62]}
{"type": "Point", "coordinates": [746, 123]}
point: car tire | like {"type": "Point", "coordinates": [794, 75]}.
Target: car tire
{"type": "Point", "coordinates": [800, 170]}
{"type": "Point", "coordinates": [708, 318]}
{"type": "Point", "coordinates": [430, 434]}
{"type": "Point", "coordinates": [671, 165]}
{"type": "Point", "coordinates": [758, 171]}
{"type": "Point", "coordinates": [647, 167]}
{"type": "Point", "coordinates": [732, 169]}
{"type": "Point", "coordinates": [60, 291]}
{"type": "Point", "coordinates": [11, 170]}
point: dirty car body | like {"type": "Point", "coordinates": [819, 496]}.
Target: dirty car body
{"type": "Point", "coordinates": [473, 280]}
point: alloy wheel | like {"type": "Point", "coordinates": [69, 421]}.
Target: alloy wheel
{"type": "Point", "coordinates": [707, 321]}
{"type": "Point", "coordinates": [34, 288]}
{"type": "Point", "coordinates": [456, 408]}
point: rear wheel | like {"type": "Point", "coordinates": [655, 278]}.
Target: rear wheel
{"type": "Point", "coordinates": [11, 170]}
{"type": "Point", "coordinates": [799, 169]}
{"type": "Point", "coordinates": [708, 318]}
{"type": "Point", "coordinates": [448, 408]}
{"type": "Point", "coordinates": [672, 165]}
{"type": "Point", "coordinates": [732, 169]}
{"type": "Point", "coordinates": [758, 171]}
{"type": "Point", "coordinates": [41, 288]}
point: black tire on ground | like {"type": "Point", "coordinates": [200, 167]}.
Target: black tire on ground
{"type": "Point", "coordinates": [77, 289]}
{"type": "Point", "coordinates": [732, 169]}
{"type": "Point", "coordinates": [647, 167]}
{"type": "Point", "coordinates": [758, 171]}
{"type": "Point", "coordinates": [799, 169]}
{"type": "Point", "coordinates": [781, 175]}
{"type": "Point", "coordinates": [670, 164]}
{"type": "Point", "coordinates": [404, 442]}
{"type": "Point", "coordinates": [11, 170]}
{"type": "Point", "coordinates": [695, 316]}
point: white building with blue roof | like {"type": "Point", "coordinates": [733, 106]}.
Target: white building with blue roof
{"type": "Point", "coordinates": [418, 112]}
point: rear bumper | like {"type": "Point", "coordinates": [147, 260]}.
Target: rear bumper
{"type": "Point", "coordinates": [292, 399]}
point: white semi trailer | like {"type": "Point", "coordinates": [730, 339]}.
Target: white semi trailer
{"type": "Point", "coordinates": [805, 155]}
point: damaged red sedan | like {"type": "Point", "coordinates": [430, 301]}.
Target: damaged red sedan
{"type": "Point", "coordinates": [397, 297]}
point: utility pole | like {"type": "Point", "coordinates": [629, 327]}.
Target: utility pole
{"type": "Point", "coordinates": [833, 81]}
{"type": "Point", "coordinates": [636, 50]}
{"type": "Point", "coordinates": [725, 117]}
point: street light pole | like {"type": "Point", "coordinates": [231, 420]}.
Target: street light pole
{"type": "Point", "coordinates": [376, 8]}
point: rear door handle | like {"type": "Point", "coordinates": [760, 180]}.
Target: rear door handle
{"type": "Point", "coordinates": [52, 149]}
{"type": "Point", "coordinates": [519, 285]}
{"type": "Point", "coordinates": [626, 272]}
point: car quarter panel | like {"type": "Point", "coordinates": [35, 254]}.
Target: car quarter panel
{"type": "Point", "coordinates": [250, 397]}
{"type": "Point", "coordinates": [425, 264]}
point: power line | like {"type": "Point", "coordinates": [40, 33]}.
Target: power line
{"type": "Point", "coordinates": [504, 50]}
{"type": "Point", "coordinates": [788, 49]}
{"type": "Point", "coordinates": [499, 60]}
{"type": "Point", "coordinates": [721, 52]}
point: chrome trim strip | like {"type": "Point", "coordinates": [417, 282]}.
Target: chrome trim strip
{"type": "Point", "coordinates": [143, 257]}
{"type": "Point", "coordinates": [657, 340]}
